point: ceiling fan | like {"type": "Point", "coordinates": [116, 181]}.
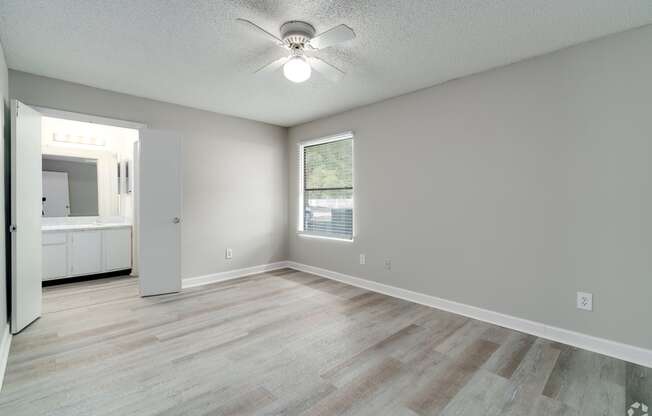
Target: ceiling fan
{"type": "Point", "coordinates": [298, 37]}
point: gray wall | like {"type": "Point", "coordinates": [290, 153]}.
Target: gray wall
{"type": "Point", "coordinates": [82, 185]}
{"type": "Point", "coordinates": [4, 130]}
{"type": "Point", "coordinates": [509, 190]}
{"type": "Point", "coordinates": [234, 172]}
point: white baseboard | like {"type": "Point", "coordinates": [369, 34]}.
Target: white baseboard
{"type": "Point", "coordinates": [231, 274]}
{"type": "Point", "coordinates": [614, 349]}
{"type": "Point", "coordinates": [5, 344]}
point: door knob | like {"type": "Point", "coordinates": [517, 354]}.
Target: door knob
{"type": "Point", "coordinates": [176, 220]}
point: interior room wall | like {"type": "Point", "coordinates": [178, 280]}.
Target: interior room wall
{"type": "Point", "coordinates": [234, 172]}
{"type": "Point", "coordinates": [82, 185]}
{"type": "Point", "coordinates": [4, 128]}
{"type": "Point", "coordinates": [509, 190]}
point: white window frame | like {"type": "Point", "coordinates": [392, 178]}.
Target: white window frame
{"type": "Point", "coordinates": [300, 147]}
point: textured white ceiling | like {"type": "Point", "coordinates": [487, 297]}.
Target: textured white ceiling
{"type": "Point", "coordinates": [193, 53]}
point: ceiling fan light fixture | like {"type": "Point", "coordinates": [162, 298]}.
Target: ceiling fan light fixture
{"type": "Point", "coordinates": [297, 69]}
{"type": "Point", "coordinates": [296, 36]}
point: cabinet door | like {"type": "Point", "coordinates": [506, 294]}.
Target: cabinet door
{"type": "Point", "coordinates": [55, 265]}
{"type": "Point", "coordinates": [117, 249]}
{"type": "Point", "coordinates": [85, 252]}
{"type": "Point", "coordinates": [55, 255]}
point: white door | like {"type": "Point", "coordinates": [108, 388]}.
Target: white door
{"type": "Point", "coordinates": [56, 195]}
{"type": "Point", "coordinates": [26, 207]}
{"type": "Point", "coordinates": [158, 196]}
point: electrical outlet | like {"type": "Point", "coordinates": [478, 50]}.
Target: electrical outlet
{"type": "Point", "coordinates": [363, 259]}
{"type": "Point", "coordinates": [585, 301]}
{"type": "Point", "coordinates": [388, 264]}
{"type": "Point", "coordinates": [228, 254]}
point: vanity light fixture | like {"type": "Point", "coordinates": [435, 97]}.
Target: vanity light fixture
{"type": "Point", "coordinates": [76, 139]}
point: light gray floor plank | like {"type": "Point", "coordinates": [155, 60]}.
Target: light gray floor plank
{"type": "Point", "coordinates": [291, 343]}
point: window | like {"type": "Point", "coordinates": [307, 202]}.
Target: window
{"type": "Point", "coordinates": [327, 187]}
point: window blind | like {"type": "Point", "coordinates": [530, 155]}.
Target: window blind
{"type": "Point", "coordinates": [328, 189]}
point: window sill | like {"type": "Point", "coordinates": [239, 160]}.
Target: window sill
{"type": "Point", "coordinates": [324, 237]}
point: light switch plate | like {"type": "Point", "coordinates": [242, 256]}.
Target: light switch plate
{"type": "Point", "coordinates": [228, 254]}
{"type": "Point", "coordinates": [363, 259]}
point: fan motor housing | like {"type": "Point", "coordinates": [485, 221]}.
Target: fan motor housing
{"type": "Point", "coordinates": [296, 34]}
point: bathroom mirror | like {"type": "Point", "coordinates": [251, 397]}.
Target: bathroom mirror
{"type": "Point", "coordinates": [70, 186]}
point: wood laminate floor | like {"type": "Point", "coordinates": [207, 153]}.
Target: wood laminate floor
{"type": "Point", "coordinates": [290, 343]}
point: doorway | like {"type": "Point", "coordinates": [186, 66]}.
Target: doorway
{"type": "Point", "coordinates": [87, 205]}
{"type": "Point", "coordinates": [79, 186]}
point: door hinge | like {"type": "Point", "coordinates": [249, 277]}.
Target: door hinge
{"type": "Point", "coordinates": [12, 228]}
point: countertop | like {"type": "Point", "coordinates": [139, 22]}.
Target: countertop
{"type": "Point", "coordinates": [90, 226]}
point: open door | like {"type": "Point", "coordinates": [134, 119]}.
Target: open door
{"type": "Point", "coordinates": [26, 207]}
{"type": "Point", "coordinates": [56, 198]}
{"type": "Point", "coordinates": [158, 205]}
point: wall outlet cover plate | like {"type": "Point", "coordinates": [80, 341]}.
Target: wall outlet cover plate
{"type": "Point", "coordinates": [585, 301]}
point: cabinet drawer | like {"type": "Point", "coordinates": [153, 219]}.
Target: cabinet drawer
{"type": "Point", "coordinates": [53, 238]}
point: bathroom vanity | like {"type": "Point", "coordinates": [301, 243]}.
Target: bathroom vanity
{"type": "Point", "coordinates": [71, 250]}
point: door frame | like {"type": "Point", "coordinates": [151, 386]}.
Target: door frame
{"type": "Point", "coordinates": [87, 118]}
{"type": "Point", "coordinates": [67, 115]}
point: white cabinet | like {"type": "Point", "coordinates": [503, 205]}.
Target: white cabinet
{"type": "Point", "coordinates": [55, 255]}
{"type": "Point", "coordinates": [117, 249]}
{"type": "Point", "coordinates": [85, 252]}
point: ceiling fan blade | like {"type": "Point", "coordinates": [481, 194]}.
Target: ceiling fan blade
{"type": "Point", "coordinates": [272, 66]}
{"type": "Point", "coordinates": [332, 36]}
{"type": "Point", "coordinates": [260, 30]}
{"type": "Point", "coordinates": [331, 72]}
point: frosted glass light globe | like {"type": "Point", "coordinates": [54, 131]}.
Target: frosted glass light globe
{"type": "Point", "coordinates": [297, 69]}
